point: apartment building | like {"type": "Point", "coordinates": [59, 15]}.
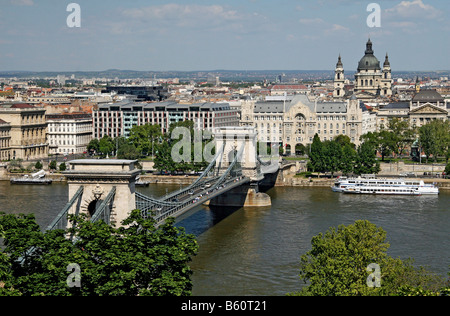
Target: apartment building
{"type": "Point", "coordinates": [28, 130]}
{"type": "Point", "coordinates": [116, 119]}
{"type": "Point", "coordinates": [69, 133]}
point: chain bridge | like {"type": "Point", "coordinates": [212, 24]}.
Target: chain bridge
{"type": "Point", "coordinates": [105, 189]}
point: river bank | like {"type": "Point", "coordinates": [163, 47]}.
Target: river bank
{"type": "Point", "coordinates": [285, 181]}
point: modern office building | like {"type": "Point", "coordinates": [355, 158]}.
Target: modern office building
{"type": "Point", "coordinates": [116, 119]}
{"type": "Point", "coordinates": [142, 92]}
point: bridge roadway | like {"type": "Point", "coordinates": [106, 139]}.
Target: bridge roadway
{"type": "Point", "coordinates": [180, 202]}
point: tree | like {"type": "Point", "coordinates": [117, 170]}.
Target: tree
{"type": "Point", "coordinates": [163, 158]}
{"type": "Point", "coordinates": [53, 165]}
{"type": "Point", "coordinates": [127, 151]}
{"type": "Point", "coordinates": [332, 154]}
{"type": "Point", "coordinates": [348, 159]}
{"type": "Point", "coordinates": [62, 167]}
{"type": "Point", "coordinates": [403, 134]}
{"type": "Point", "coordinates": [434, 139]}
{"type": "Point", "coordinates": [135, 259]}
{"type": "Point", "coordinates": [316, 155]}
{"type": "Point", "coordinates": [143, 138]}
{"type": "Point", "coordinates": [366, 162]}
{"type": "Point", "coordinates": [106, 146]}
{"type": "Point", "coordinates": [38, 165]}
{"type": "Point", "coordinates": [93, 146]}
{"type": "Point", "coordinates": [337, 264]}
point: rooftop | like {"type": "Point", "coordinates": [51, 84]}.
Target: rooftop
{"type": "Point", "coordinates": [428, 96]}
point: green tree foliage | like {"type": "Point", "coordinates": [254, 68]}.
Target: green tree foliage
{"type": "Point", "coordinates": [366, 162]}
{"type": "Point", "coordinates": [337, 265]}
{"type": "Point", "coordinates": [135, 259]}
{"type": "Point", "coordinates": [339, 155]}
{"type": "Point", "coordinates": [93, 146]}
{"type": "Point", "coordinates": [106, 146]}
{"type": "Point", "coordinates": [434, 139]}
{"type": "Point", "coordinates": [144, 137]}
{"type": "Point", "coordinates": [316, 155]}
{"type": "Point", "coordinates": [53, 165]}
{"type": "Point", "coordinates": [62, 167]}
{"type": "Point", "coordinates": [402, 134]}
{"type": "Point", "coordinates": [38, 165]}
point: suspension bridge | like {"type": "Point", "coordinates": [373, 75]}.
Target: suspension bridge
{"type": "Point", "coordinates": [105, 189]}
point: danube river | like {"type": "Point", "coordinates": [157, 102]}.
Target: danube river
{"type": "Point", "coordinates": [256, 251]}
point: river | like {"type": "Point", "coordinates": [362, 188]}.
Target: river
{"type": "Point", "coordinates": [256, 251]}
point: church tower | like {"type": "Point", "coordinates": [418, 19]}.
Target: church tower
{"type": "Point", "coordinates": [339, 80]}
{"type": "Point", "coordinates": [386, 80]}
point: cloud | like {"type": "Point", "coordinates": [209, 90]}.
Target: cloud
{"type": "Point", "coordinates": [414, 9]}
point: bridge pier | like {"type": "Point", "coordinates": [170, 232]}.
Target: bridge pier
{"type": "Point", "coordinates": [99, 177]}
{"type": "Point", "coordinates": [242, 196]}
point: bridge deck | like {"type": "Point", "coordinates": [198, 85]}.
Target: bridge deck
{"type": "Point", "coordinates": [184, 202]}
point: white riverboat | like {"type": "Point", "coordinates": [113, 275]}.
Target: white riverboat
{"type": "Point", "coordinates": [371, 185]}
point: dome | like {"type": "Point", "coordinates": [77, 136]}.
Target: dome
{"type": "Point", "coordinates": [369, 61]}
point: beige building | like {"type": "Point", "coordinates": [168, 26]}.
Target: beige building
{"type": "Point", "coordinates": [5, 140]}
{"type": "Point", "coordinates": [296, 119]}
{"type": "Point", "coordinates": [28, 130]}
{"type": "Point", "coordinates": [425, 106]}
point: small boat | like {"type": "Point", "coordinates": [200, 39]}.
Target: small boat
{"type": "Point", "coordinates": [141, 183]}
{"type": "Point", "coordinates": [30, 180]}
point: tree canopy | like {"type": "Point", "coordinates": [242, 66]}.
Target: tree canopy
{"type": "Point", "coordinates": [344, 262]}
{"type": "Point", "coordinates": [135, 259]}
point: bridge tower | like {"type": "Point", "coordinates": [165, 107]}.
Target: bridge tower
{"type": "Point", "coordinates": [231, 139]}
{"type": "Point", "coordinates": [102, 184]}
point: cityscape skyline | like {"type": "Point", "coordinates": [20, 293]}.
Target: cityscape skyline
{"type": "Point", "coordinates": [231, 35]}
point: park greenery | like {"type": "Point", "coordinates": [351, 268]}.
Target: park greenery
{"type": "Point", "coordinates": [136, 259]}
{"type": "Point", "coordinates": [340, 155]}
{"type": "Point", "coordinates": [148, 141]}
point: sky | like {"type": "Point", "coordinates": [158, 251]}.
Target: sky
{"type": "Point", "coordinates": [184, 35]}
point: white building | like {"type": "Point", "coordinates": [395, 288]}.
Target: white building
{"type": "Point", "coordinates": [69, 133]}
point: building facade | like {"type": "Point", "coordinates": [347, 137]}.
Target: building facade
{"type": "Point", "coordinates": [69, 133]}
{"type": "Point", "coordinates": [295, 120]}
{"type": "Point", "coordinates": [5, 140]}
{"type": "Point", "coordinates": [28, 130]}
{"type": "Point", "coordinates": [117, 119]}
{"type": "Point", "coordinates": [424, 107]}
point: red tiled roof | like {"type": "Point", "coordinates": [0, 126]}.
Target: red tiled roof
{"type": "Point", "coordinates": [22, 106]}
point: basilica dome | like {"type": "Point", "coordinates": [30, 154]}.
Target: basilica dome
{"type": "Point", "coordinates": [369, 61]}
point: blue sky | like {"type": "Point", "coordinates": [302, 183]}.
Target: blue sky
{"type": "Point", "coordinates": [211, 34]}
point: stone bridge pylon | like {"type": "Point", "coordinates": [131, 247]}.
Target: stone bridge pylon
{"type": "Point", "coordinates": [109, 181]}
